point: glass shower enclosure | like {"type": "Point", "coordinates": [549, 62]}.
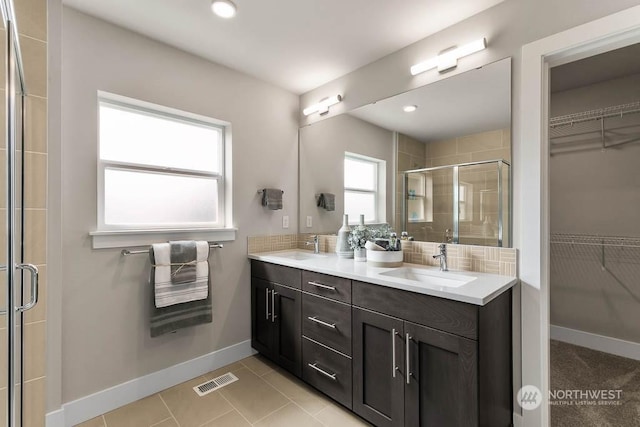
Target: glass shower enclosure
{"type": "Point", "coordinates": [467, 203]}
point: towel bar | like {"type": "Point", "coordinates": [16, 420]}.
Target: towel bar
{"type": "Point", "coordinates": [127, 252]}
{"type": "Point", "coordinates": [262, 191]}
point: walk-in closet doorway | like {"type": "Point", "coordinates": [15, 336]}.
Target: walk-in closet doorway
{"type": "Point", "coordinates": [594, 192]}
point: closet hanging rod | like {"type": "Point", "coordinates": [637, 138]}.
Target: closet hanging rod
{"type": "Point", "coordinates": [127, 252]}
{"type": "Point", "coordinates": [598, 114]}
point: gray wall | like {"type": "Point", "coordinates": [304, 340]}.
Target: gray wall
{"type": "Point", "coordinates": [595, 192]}
{"type": "Point", "coordinates": [104, 318]}
{"type": "Point", "coordinates": [322, 148]}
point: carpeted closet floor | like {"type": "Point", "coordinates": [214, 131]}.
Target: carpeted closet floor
{"type": "Point", "coordinates": [579, 368]}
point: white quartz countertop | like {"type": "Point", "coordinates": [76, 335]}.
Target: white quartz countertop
{"type": "Point", "coordinates": [481, 288]}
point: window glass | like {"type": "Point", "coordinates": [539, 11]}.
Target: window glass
{"type": "Point", "coordinates": [148, 139]}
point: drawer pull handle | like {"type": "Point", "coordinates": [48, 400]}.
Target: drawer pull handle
{"type": "Point", "coordinates": [322, 371]}
{"type": "Point", "coordinates": [321, 322]}
{"type": "Point", "coordinates": [320, 285]}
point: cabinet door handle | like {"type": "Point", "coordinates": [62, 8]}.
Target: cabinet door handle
{"type": "Point", "coordinates": [408, 370]}
{"type": "Point", "coordinates": [267, 303]}
{"type": "Point", "coordinates": [394, 368]}
{"type": "Point", "coordinates": [273, 306]}
{"type": "Point", "coordinates": [322, 371]}
{"type": "Point", "coordinates": [320, 285]}
{"type": "Point", "coordinates": [321, 322]}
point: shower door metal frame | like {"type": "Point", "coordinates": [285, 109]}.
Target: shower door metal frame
{"type": "Point", "coordinates": [455, 170]}
{"type": "Point", "coordinates": [14, 261]}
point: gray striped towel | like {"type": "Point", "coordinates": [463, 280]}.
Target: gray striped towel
{"type": "Point", "coordinates": [169, 292]}
{"type": "Point", "coordinates": [327, 201]}
{"type": "Point", "coordinates": [272, 198]}
{"type": "Point", "coordinates": [171, 318]}
{"type": "Point", "coordinates": [183, 256]}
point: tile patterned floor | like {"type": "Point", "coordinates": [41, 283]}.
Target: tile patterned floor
{"type": "Point", "coordinates": [264, 396]}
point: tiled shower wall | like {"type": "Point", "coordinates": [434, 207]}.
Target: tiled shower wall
{"type": "Point", "coordinates": [482, 259]}
{"type": "Point", "coordinates": [31, 17]}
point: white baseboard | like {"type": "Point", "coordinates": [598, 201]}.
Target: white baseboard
{"type": "Point", "coordinates": [55, 418]}
{"type": "Point", "coordinates": [609, 345]}
{"type": "Point", "coordinates": [91, 406]}
{"type": "Point", "coordinates": [517, 420]}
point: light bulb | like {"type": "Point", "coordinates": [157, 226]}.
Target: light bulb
{"type": "Point", "coordinates": [224, 8]}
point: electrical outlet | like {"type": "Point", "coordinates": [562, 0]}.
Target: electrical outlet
{"type": "Point", "coordinates": [309, 221]}
{"type": "Point", "coordinates": [285, 221]}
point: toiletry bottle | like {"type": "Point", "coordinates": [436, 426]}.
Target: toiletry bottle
{"type": "Point", "coordinates": [393, 241]}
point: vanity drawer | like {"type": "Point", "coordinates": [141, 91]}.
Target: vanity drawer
{"type": "Point", "coordinates": [276, 273]}
{"type": "Point", "coordinates": [328, 322]}
{"type": "Point", "coordinates": [439, 313]}
{"type": "Point", "coordinates": [328, 286]}
{"type": "Point", "coordinates": [328, 371]}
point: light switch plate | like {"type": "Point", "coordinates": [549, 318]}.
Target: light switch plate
{"type": "Point", "coordinates": [309, 221]}
{"type": "Point", "coordinates": [285, 221]}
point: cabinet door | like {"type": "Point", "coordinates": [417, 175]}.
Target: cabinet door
{"type": "Point", "coordinates": [287, 334]}
{"type": "Point", "coordinates": [261, 324]}
{"type": "Point", "coordinates": [442, 389]}
{"type": "Point", "coordinates": [378, 383]}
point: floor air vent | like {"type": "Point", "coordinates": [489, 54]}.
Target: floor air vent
{"type": "Point", "coordinates": [215, 384]}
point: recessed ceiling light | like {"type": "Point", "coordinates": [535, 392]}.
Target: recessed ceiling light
{"type": "Point", "coordinates": [224, 8]}
{"type": "Point", "coordinates": [409, 108]}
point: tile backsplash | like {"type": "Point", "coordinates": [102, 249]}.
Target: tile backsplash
{"type": "Point", "coordinates": [483, 259]}
{"type": "Point", "coordinates": [278, 242]}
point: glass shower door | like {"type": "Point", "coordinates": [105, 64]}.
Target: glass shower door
{"type": "Point", "coordinates": [19, 280]}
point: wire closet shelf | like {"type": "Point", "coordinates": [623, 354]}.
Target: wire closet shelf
{"type": "Point", "coordinates": [595, 240]}
{"type": "Point", "coordinates": [602, 128]}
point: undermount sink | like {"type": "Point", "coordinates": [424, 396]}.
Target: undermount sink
{"type": "Point", "coordinates": [429, 277]}
{"type": "Point", "coordinates": [298, 255]}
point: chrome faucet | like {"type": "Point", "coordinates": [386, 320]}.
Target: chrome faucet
{"type": "Point", "coordinates": [316, 244]}
{"type": "Point", "coordinates": [442, 256]}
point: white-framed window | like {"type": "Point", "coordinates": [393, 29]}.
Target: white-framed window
{"type": "Point", "coordinates": [364, 188]}
{"type": "Point", "coordinates": [159, 169]}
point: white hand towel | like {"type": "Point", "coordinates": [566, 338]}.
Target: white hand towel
{"type": "Point", "coordinates": [167, 293]}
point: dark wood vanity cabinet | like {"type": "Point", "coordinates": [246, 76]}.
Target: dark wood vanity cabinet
{"type": "Point", "coordinates": [420, 363]}
{"type": "Point", "coordinates": [396, 358]}
{"type": "Point", "coordinates": [275, 314]}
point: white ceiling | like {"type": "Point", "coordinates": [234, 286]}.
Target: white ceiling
{"type": "Point", "coordinates": [475, 101]}
{"type": "Point", "coordinates": [295, 44]}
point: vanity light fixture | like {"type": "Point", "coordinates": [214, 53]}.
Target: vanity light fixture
{"type": "Point", "coordinates": [322, 107]}
{"type": "Point", "coordinates": [448, 59]}
{"type": "Point", "coordinates": [224, 8]}
{"type": "Point", "coordinates": [409, 108]}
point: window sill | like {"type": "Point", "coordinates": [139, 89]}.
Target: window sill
{"type": "Point", "coordinates": [127, 238]}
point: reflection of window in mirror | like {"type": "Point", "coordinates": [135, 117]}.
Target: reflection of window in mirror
{"type": "Point", "coordinates": [420, 197]}
{"type": "Point", "coordinates": [465, 202]}
{"type": "Point", "coordinates": [364, 183]}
